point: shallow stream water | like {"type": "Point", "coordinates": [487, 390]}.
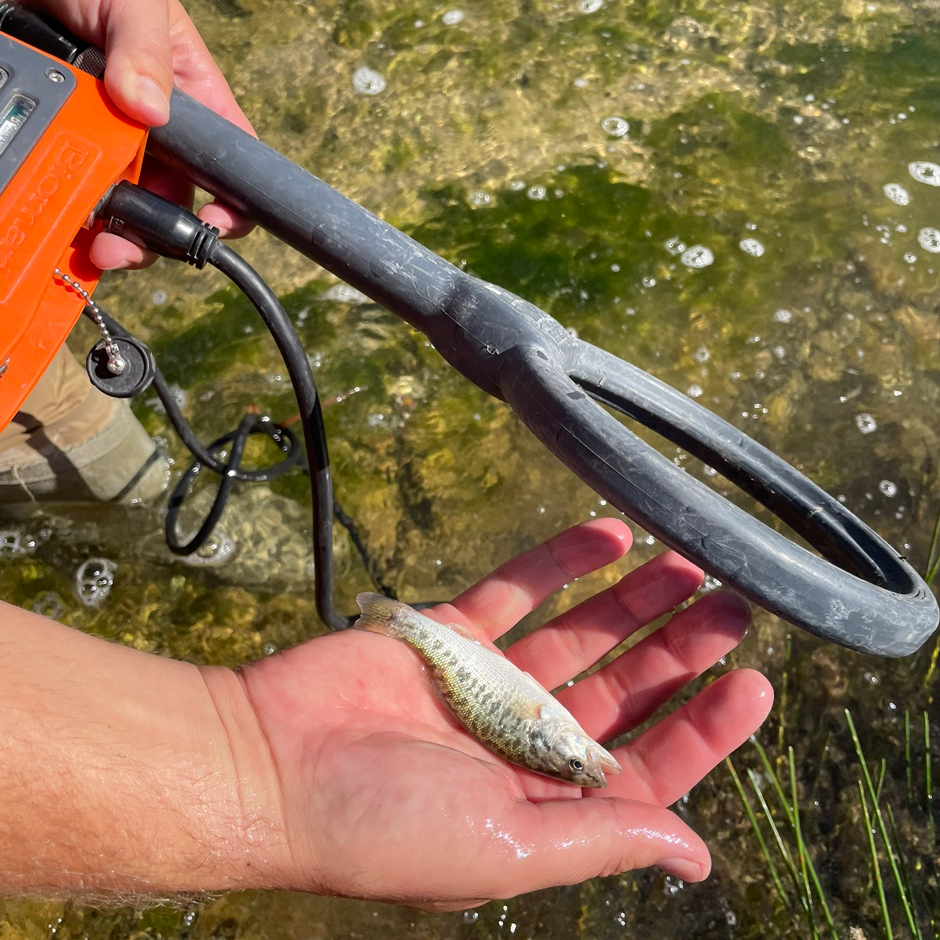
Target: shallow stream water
{"type": "Point", "coordinates": [742, 199]}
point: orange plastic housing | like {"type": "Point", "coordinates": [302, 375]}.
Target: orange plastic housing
{"type": "Point", "coordinates": [89, 146]}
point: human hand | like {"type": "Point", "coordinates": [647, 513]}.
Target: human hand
{"type": "Point", "coordinates": [150, 45]}
{"type": "Point", "coordinates": [384, 795]}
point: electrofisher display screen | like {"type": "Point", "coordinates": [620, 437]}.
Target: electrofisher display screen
{"type": "Point", "coordinates": [33, 88]}
{"type": "Point", "coordinates": [14, 116]}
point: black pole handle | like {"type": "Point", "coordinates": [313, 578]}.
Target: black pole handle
{"type": "Point", "coordinates": [515, 351]}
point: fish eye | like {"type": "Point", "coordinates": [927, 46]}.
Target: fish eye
{"type": "Point", "coordinates": [576, 765]}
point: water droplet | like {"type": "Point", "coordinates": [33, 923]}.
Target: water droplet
{"type": "Point", "coordinates": [345, 294]}
{"type": "Point", "coordinates": [13, 544]}
{"type": "Point", "coordinates": [897, 194]}
{"type": "Point", "coordinates": [929, 240]}
{"type": "Point", "coordinates": [925, 172]}
{"type": "Point", "coordinates": [865, 422]}
{"type": "Point", "coordinates": [452, 17]}
{"type": "Point", "coordinates": [367, 82]}
{"type": "Point", "coordinates": [158, 298]}
{"type": "Point", "coordinates": [615, 126]}
{"type": "Point", "coordinates": [269, 649]}
{"type": "Point", "coordinates": [888, 488]}
{"type": "Point", "coordinates": [751, 246]}
{"type": "Point", "coordinates": [48, 604]}
{"type": "Point", "coordinates": [698, 256]}
{"type": "Point", "coordinates": [675, 246]}
{"type": "Point", "coordinates": [94, 580]}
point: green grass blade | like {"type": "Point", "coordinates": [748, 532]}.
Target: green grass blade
{"type": "Point", "coordinates": [752, 818]}
{"type": "Point", "coordinates": [933, 558]}
{"type": "Point", "coordinates": [907, 755]}
{"type": "Point", "coordinates": [876, 868]}
{"type": "Point", "coordinates": [808, 868]}
{"type": "Point", "coordinates": [882, 828]}
{"type": "Point", "coordinates": [929, 779]}
{"type": "Point", "coordinates": [908, 884]}
{"type": "Point", "coordinates": [800, 845]}
{"type": "Point", "coordinates": [775, 780]}
{"type": "Point", "coordinates": [782, 848]}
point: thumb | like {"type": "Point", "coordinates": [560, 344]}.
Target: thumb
{"type": "Point", "coordinates": [563, 842]}
{"type": "Point", "coordinates": [139, 73]}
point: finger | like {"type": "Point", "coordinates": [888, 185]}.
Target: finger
{"type": "Point", "coordinates": [196, 71]}
{"type": "Point", "coordinates": [516, 588]}
{"type": "Point", "coordinates": [627, 691]}
{"type": "Point", "coordinates": [110, 253]}
{"type": "Point", "coordinates": [229, 223]}
{"type": "Point", "coordinates": [578, 638]}
{"type": "Point", "coordinates": [139, 73]}
{"type": "Point", "coordinates": [562, 843]}
{"type": "Point", "coordinates": [668, 760]}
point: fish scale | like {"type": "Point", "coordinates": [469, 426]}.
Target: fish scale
{"type": "Point", "coordinates": [503, 707]}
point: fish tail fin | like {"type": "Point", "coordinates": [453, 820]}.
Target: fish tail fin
{"type": "Point", "coordinates": [377, 613]}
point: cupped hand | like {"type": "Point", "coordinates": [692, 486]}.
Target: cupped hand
{"type": "Point", "coordinates": [149, 46]}
{"type": "Point", "coordinates": [384, 795]}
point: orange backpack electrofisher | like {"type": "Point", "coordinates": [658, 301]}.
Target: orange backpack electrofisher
{"type": "Point", "coordinates": [63, 144]}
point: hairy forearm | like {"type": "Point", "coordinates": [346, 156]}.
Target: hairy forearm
{"type": "Point", "coordinates": [125, 773]}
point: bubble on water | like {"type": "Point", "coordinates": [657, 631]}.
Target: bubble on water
{"type": "Point", "coordinates": [694, 391]}
{"type": "Point", "coordinates": [897, 194]}
{"type": "Point", "coordinates": [537, 192]}
{"type": "Point", "coordinates": [925, 172]}
{"type": "Point", "coordinates": [269, 648]}
{"type": "Point", "coordinates": [14, 544]}
{"type": "Point", "coordinates": [452, 17]}
{"type": "Point", "coordinates": [158, 298]}
{"type": "Point", "coordinates": [367, 82]}
{"type": "Point", "coordinates": [615, 126]}
{"type": "Point", "coordinates": [910, 257]}
{"type": "Point", "coordinates": [865, 422]}
{"type": "Point", "coordinates": [345, 294]}
{"type": "Point", "coordinates": [751, 246]}
{"type": "Point", "coordinates": [888, 488]}
{"type": "Point", "coordinates": [479, 198]}
{"type": "Point", "coordinates": [94, 580]}
{"type": "Point", "coordinates": [675, 245]}
{"type": "Point", "coordinates": [782, 316]}
{"type": "Point", "coordinates": [48, 604]}
{"type": "Point", "coordinates": [590, 6]}
{"type": "Point", "coordinates": [471, 917]}
{"type": "Point", "coordinates": [698, 256]}
{"type": "Point", "coordinates": [701, 354]}
{"type": "Point", "coordinates": [216, 550]}
{"type": "Point", "coordinates": [375, 419]}
{"type": "Point", "coordinates": [929, 240]}
{"type": "Point", "coordinates": [517, 185]}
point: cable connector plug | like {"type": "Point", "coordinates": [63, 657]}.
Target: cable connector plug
{"type": "Point", "coordinates": [156, 224]}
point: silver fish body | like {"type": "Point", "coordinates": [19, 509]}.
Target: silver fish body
{"type": "Point", "coordinates": [499, 704]}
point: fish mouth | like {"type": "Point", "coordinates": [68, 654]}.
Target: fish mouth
{"type": "Point", "coordinates": [605, 761]}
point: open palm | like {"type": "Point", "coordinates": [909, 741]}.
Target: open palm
{"type": "Point", "coordinates": [384, 795]}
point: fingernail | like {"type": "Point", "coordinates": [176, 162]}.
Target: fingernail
{"type": "Point", "coordinates": [154, 100]}
{"type": "Point", "coordinates": [683, 868]}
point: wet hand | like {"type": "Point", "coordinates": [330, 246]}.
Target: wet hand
{"type": "Point", "coordinates": [150, 45]}
{"type": "Point", "coordinates": [384, 795]}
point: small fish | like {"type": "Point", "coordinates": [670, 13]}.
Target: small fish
{"type": "Point", "coordinates": [499, 704]}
